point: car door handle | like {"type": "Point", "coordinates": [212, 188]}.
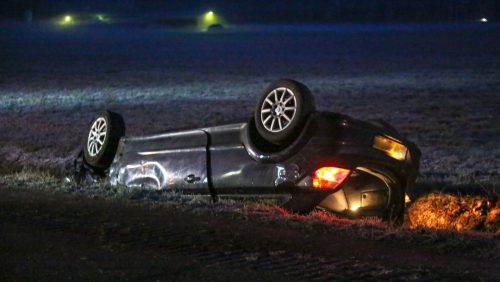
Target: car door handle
{"type": "Point", "coordinates": [191, 178]}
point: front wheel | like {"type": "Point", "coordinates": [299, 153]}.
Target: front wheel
{"type": "Point", "coordinates": [102, 140]}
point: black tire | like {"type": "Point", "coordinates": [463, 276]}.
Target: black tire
{"type": "Point", "coordinates": [275, 120]}
{"type": "Point", "coordinates": [99, 153]}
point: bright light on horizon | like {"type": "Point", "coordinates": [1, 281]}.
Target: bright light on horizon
{"type": "Point", "coordinates": [210, 16]}
{"type": "Point", "coordinates": [484, 20]}
{"type": "Point", "coordinates": [66, 20]}
{"type": "Point", "coordinates": [208, 19]}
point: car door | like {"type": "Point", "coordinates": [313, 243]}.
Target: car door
{"type": "Point", "coordinates": [232, 170]}
{"type": "Point", "coordinates": [175, 160]}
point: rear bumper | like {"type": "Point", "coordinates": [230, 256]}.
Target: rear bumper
{"type": "Point", "coordinates": [364, 193]}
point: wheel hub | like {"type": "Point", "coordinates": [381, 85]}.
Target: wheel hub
{"type": "Point", "coordinates": [97, 136]}
{"type": "Point", "coordinates": [278, 109]}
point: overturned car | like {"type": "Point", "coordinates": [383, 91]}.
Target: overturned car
{"type": "Point", "coordinates": [322, 159]}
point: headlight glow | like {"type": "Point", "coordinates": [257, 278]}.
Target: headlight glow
{"type": "Point", "coordinates": [208, 19]}
{"type": "Point", "coordinates": [209, 16]}
{"type": "Point", "coordinates": [66, 20]}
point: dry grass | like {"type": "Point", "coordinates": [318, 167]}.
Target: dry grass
{"type": "Point", "coordinates": [445, 211]}
{"type": "Point", "coordinates": [430, 211]}
{"type": "Point", "coordinates": [446, 239]}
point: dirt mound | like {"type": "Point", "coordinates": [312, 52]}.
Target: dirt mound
{"type": "Point", "coordinates": [443, 211]}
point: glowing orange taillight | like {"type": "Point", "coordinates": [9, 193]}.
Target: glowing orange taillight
{"type": "Point", "coordinates": [329, 177]}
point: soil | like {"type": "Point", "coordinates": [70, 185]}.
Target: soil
{"type": "Point", "coordinates": [56, 236]}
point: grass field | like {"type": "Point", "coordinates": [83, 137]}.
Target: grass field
{"type": "Point", "coordinates": [438, 84]}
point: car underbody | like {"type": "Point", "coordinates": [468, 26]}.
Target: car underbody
{"type": "Point", "coordinates": [331, 161]}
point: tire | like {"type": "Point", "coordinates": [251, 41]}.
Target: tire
{"type": "Point", "coordinates": [282, 110]}
{"type": "Point", "coordinates": [102, 140]}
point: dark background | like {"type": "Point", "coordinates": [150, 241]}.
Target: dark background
{"type": "Point", "coordinates": [271, 11]}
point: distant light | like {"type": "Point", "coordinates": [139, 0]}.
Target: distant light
{"type": "Point", "coordinates": [66, 20]}
{"type": "Point", "coordinates": [103, 18]}
{"type": "Point", "coordinates": [354, 208]}
{"type": "Point", "coordinates": [484, 20]}
{"type": "Point", "coordinates": [210, 16]}
{"type": "Point", "coordinates": [208, 19]}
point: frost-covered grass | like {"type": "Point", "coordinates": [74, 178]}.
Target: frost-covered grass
{"type": "Point", "coordinates": [439, 85]}
{"type": "Point", "coordinates": [345, 88]}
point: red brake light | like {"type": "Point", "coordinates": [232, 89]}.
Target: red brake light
{"type": "Point", "coordinates": [329, 177]}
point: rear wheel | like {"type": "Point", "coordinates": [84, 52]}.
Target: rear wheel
{"type": "Point", "coordinates": [282, 111]}
{"type": "Point", "coordinates": [102, 140]}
